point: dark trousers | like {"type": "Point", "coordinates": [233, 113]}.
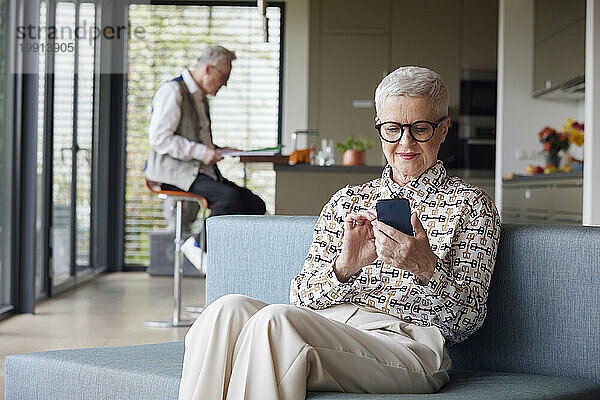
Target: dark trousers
{"type": "Point", "coordinates": [223, 198]}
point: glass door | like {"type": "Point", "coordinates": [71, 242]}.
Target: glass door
{"type": "Point", "coordinates": [71, 141]}
{"type": "Point", "coordinates": [64, 149]}
{"type": "Point", "coordinates": [83, 137]}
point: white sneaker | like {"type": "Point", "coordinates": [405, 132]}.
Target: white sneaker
{"type": "Point", "coordinates": [195, 254]}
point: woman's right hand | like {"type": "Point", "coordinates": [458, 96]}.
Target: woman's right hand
{"type": "Point", "coordinates": [358, 245]}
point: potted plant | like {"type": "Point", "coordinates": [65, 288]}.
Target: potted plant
{"type": "Point", "coordinates": [353, 150]}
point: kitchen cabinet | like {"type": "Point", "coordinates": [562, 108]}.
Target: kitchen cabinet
{"type": "Point", "coordinates": [354, 16]}
{"type": "Point", "coordinates": [432, 40]}
{"type": "Point", "coordinates": [349, 45]}
{"type": "Point", "coordinates": [351, 67]}
{"type": "Point", "coordinates": [553, 16]}
{"type": "Point", "coordinates": [479, 34]}
{"type": "Point", "coordinates": [543, 200]}
{"type": "Point", "coordinates": [559, 43]}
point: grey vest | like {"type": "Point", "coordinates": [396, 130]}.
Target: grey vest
{"type": "Point", "coordinates": [166, 169]}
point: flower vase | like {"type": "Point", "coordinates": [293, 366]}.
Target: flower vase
{"type": "Point", "coordinates": [553, 158]}
{"type": "Point", "coordinates": [353, 157]}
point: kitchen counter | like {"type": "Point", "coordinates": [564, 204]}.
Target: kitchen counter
{"type": "Point", "coordinates": [363, 169]}
{"type": "Point", "coordinates": [545, 177]}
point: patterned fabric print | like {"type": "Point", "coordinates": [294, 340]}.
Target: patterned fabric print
{"type": "Point", "coordinates": [463, 228]}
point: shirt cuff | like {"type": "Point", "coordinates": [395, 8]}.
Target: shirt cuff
{"type": "Point", "coordinates": [198, 151]}
{"type": "Point", "coordinates": [346, 287]}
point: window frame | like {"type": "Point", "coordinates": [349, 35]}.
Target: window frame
{"type": "Point", "coordinates": [10, 248]}
{"type": "Point", "coordinates": [282, 6]}
{"type": "Point", "coordinates": [75, 279]}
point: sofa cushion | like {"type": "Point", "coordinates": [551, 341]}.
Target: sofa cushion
{"type": "Point", "coordinates": [131, 372]}
{"type": "Point", "coordinates": [153, 372]}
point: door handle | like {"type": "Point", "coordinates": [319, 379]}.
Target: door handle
{"type": "Point", "coordinates": [77, 150]}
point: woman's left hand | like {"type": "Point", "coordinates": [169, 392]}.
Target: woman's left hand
{"type": "Point", "coordinates": [405, 252]}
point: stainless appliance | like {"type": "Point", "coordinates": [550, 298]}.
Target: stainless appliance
{"type": "Point", "coordinates": [477, 120]}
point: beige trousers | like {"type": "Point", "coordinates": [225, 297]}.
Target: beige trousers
{"type": "Point", "coordinates": [241, 348]}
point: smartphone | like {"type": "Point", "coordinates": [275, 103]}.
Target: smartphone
{"type": "Point", "coordinates": [395, 213]}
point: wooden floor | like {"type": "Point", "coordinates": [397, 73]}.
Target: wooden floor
{"type": "Point", "coordinates": [109, 311]}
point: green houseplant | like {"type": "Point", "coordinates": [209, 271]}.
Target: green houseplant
{"type": "Point", "coordinates": [353, 150]}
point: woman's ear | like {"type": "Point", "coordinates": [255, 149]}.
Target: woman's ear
{"type": "Point", "coordinates": [445, 127]}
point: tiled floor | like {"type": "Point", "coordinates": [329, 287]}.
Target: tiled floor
{"type": "Point", "coordinates": [109, 311]}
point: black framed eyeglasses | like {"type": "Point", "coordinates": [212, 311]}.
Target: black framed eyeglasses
{"type": "Point", "coordinates": [420, 131]}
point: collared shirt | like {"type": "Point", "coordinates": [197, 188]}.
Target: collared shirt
{"type": "Point", "coordinates": [166, 114]}
{"type": "Point", "coordinates": [463, 228]}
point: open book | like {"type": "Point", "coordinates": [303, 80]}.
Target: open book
{"type": "Point", "coordinates": [267, 151]}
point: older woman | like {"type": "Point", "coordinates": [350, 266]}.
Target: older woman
{"type": "Point", "coordinates": [373, 309]}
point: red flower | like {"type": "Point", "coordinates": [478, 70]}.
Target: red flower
{"type": "Point", "coordinates": [553, 141]}
{"type": "Point", "coordinates": [546, 132]}
{"type": "Point", "coordinates": [547, 146]}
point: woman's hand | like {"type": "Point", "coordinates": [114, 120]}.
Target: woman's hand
{"type": "Point", "coordinates": [358, 245]}
{"type": "Point", "coordinates": [406, 252]}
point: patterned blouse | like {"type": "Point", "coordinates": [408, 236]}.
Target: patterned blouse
{"type": "Point", "coordinates": [463, 228]}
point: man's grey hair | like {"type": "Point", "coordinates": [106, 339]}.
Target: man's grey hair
{"type": "Point", "coordinates": [214, 55]}
{"type": "Point", "coordinates": [414, 82]}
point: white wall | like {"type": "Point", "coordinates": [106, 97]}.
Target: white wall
{"type": "Point", "coordinates": [295, 70]}
{"type": "Point", "coordinates": [520, 116]}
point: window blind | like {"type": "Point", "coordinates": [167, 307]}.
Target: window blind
{"type": "Point", "coordinates": [245, 114]}
{"type": "Point", "coordinates": [62, 121]}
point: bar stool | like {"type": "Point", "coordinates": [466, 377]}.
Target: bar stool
{"type": "Point", "coordinates": [179, 198]}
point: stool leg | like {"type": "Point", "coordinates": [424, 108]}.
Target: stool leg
{"type": "Point", "coordinates": [202, 213]}
{"type": "Point", "coordinates": [177, 274]}
{"type": "Point", "coordinates": [177, 266]}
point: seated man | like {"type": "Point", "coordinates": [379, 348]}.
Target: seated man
{"type": "Point", "coordinates": [182, 153]}
{"type": "Point", "coordinates": [373, 309]}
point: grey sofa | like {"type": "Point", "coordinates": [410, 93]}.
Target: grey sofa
{"type": "Point", "coordinates": [541, 339]}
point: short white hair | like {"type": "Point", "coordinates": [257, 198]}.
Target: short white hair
{"type": "Point", "coordinates": [214, 55]}
{"type": "Point", "coordinates": [414, 82]}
